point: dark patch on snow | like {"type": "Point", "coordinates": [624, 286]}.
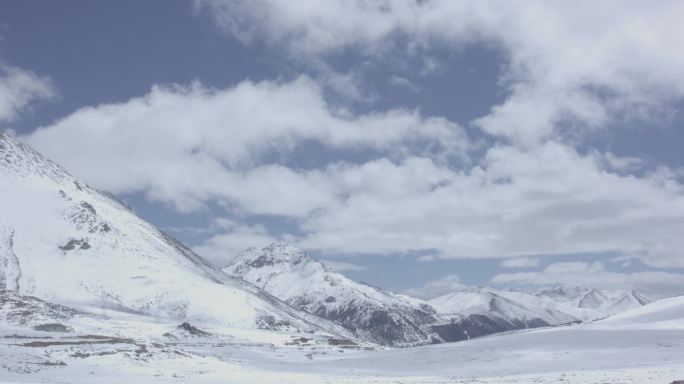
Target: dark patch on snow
{"type": "Point", "coordinates": [386, 326]}
{"type": "Point", "coordinates": [480, 325]}
{"type": "Point", "coordinates": [341, 342]}
{"type": "Point", "coordinates": [261, 261]}
{"type": "Point", "coordinates": [193, 330]}
{"type": "Point", "coordinates": [53, 363]}
{"type": "Point", "coordinates": [73, 243]}
{"type": "Point", "coordinates": [299, 341]}
{"type": "Point", "coordinates": [104, 227]}
{"type": "Point", "coordinates": [271, 323]}
{"type": "Point", "coordinates": [23, 309]}
{"type": "Point", "coordinates": [106, 340]}
{"type": "Point", "coordinates": [330, 299]}
{"type": "Point", "coordinates": [52, 327]}
{"type": "Point", "coordinates": [89, 207]}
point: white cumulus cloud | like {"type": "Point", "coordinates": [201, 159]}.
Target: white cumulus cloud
{"type": "Point", "coordinates": [436, 288]}
{"type": "Point", "coordinates": [595, 275]}
{"type": "Point", "coordinates": [578, 64]}
{"type": "Point", "coordinates": [20, 87]}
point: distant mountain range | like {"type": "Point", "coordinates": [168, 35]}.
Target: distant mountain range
{"type": "Point", "coordinates": [388, 318]}
{"type": "Point", "coordinates": [67, 249]}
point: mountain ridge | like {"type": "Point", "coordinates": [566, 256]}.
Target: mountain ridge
{"type": "Point", "coordinates": [308, 284]}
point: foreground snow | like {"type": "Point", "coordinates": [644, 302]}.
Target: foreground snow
{"type": "Point", "coordinates": [640, 346]}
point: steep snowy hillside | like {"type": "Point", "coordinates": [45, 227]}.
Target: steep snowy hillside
{"type": "Point", "coordinates": [371, 313]}
{"type": "Point", "coordinates": [67, 243]}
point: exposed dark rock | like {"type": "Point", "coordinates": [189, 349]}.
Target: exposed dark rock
{"type": "Point", "coordinates": [52, 327]}
{"type": "Point", "coordinates": [299, 341]}
{"type": "Point", "coordinates": [193, 330]}
{"type": "Point", "coordinates": [261, 261]}
{"type": "Point", "coordinates": [53, 363]}
{"type": "Point", "coordinates": [73, 243]}
{"type": "Point", "coordinates": [23, 309]}
{"type": "Point", "coordinates": [270, 322]}
{"type": "Point", "coordinates": [89, 207]}
{"type": "Point", "coordinates": [341, 342]}
{"type": "Point", "coordinates": [109, 340]}
{"type": "Point", "coordinates": [479, 325]}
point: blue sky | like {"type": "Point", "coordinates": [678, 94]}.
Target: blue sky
{"type": "Point", "coordinates": [418, 145]}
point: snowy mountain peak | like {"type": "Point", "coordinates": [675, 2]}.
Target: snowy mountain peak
{"type": "Point", "coordinates": [563, 292]}
{"type": "Point", "coordinates": [276, 258]}
{"type": "Point", "coordinates": [275, 253]}
{"type": "Point", "coordinates": [371, 313]}
{"type": "Point", "coordinates": [19, 159]}
{"type": "Point", "coordinates": [640, 298]}
{"type": "Point", "coordinates": [593, 299]}
{"type": "Point", "coordinates": [629, 300]}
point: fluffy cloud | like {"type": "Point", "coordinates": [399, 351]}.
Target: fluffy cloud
{"type": "Point", "coordinates": [595, 275]}
{"type": "Point", "coordinates": [233, 239]}
{"type": "Point", "coordinates": [190, 145]}
{"type": "Point", "coordinates": [343, 266]}
{"type": "Point", "coordinates": [571, 64]}
{"type": "Point", "coordinates": [395, 181]}
{"type": "Point", "coordinates": [545, 201]}
{"type": "Point", "coordinates": [436, 288]}
{"type": "Point", "coordinates": [18, 88]}
{"type": "Point", "coordinates": [521, 262]}
{"type": "Point", "coordinates": [514, 202]}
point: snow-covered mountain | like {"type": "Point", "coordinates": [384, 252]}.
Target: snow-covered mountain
{"type": "Point", "coordinates": [388, 318]}
{"type": "Point", "coordinates": [665, 313]}
{"type": "Point", "coordinates": [517, 309]}
{"type": "Point", "coordinates": [373, 314]}
{"type": "Point", "coordinates": [591, 304]}
{"type": "Point", "coordinates": [509, 310]}
{"type": "Point", "coordinates": [67, 243]}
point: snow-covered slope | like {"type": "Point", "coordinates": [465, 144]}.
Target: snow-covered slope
{"type": "Point", "coordinates": [665, 313]}
{"type": "Point", "coordinates": [371, 313]}
{"type": "Point", "coordinates": [591, 304]}
{"type": "Point", "coordinates": [517, 308]}
{"type": "Point", "coordinates": [67, 243]}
